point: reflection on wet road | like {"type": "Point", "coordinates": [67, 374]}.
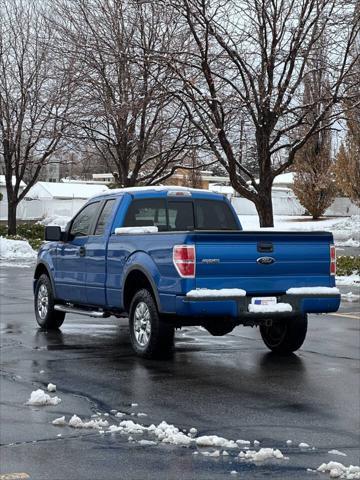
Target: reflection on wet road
{"type": "Point", "coordinates": [228, 386]}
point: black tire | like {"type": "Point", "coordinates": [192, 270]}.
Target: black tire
{"type": "Point", "coordinates": [46, 316]}
{"type": "Point", "coordinates": [285, 336]}
{"type": "Point", "coordinates": [150, 336]}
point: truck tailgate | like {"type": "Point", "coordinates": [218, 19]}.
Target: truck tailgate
{"type": "Point", "coordinates": [262, 262]}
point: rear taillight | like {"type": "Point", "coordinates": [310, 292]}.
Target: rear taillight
{"type": "Point", "coordinates": [332, 260]}
{"type": "Point", "coordinates": [184, 260]}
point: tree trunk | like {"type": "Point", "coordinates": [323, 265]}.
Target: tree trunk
{"type": "Point", "coordinates": [264, 208]}
{"type": "Point", "coordinates": [12, 206]}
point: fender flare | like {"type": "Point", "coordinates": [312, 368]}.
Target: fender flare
{"type": "Point", "coordinates": [48, 271]}
{"type": "Point", "coordinates": [150, 279]}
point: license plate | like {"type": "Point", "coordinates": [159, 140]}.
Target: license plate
{"type": "Point", "coordinates": [263, 301]}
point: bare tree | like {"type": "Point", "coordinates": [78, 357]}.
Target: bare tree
{"type": "Point", "coordinates": [245, 63]}
{"type": "Point", "coordinates": [126, 110]}
{"type": "Point", "coordinates": [34, 98]}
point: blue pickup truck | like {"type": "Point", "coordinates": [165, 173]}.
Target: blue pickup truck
{"type": "Point", "coordinates": [173, 257]}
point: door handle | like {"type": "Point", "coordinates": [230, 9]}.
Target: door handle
{"type": "Point", "coordinates": [82, 251]}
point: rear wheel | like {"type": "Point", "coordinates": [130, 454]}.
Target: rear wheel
{"type": "Point", "coordinates": [150, 336]}
{"type": "Point", "coordinates": [285, 336]}
{"type": "Point", "coordinates": [46, 316]}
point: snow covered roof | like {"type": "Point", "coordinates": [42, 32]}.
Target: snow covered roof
{"type": "Point", "coordinates": [284, 179]}
{"type": "Point", "coordinates": [13, 179]}
{"type": "Point", "coordinates": [65, 190]}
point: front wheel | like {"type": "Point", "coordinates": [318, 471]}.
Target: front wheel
{"type": "Point", "coordinates": [150, 336]}
{"type": "Point", "coordinates": [46, 316]}
{"type": "Point", "coordinates": [285, 336]}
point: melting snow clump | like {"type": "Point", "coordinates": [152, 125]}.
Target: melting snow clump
{"type": "Point", "coordinates": [170, 434]}
{"type": "Point", "coordinates": [262, 455]}
{"type": "Point", "coordinates": [337, 452]}
{"type": "Point", "coordinates": [51, 387]}
{"type": "Point", "coordinates": [147, 442]}
{"type": "Point", "coordinates": [304, 445]}
{"type": "Point", "coordinates": [76, 422]}
{"type": "Point", "coordinates": [214, 441]}
{"type": "Point", "coordinates": [60, 422]}
{"type": "Point", "coordinates": [338, 470]}
{"type": "Point", "coordinates": [39, 397]}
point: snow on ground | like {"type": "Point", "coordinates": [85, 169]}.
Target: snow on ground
{"type": "Point", "coordinates": [39, 397]}
{"type": "Point", "coordinates": [350, 297]}
{"type": "Point", "coordinates": [16, 250]}
{"type": "Point", "coordinates": [169, 434]}
{"type": "Point", "coordinates": [338, 470]}
{"type": "Point", "coordinates": [351, 280]}
{"type": "Point", "coordinates": [345, 230]}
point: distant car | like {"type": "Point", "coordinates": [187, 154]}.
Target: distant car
{"type": "Point", "coordinates": [170, 257]}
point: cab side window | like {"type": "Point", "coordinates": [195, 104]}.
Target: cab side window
{"type": "Point", "coordinates": [81, 224]}
{"type": "Point", "coordinates": [104, 217]}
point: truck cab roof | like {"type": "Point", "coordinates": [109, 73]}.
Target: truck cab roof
{"type": "Point", "coordinates": [161, 191]}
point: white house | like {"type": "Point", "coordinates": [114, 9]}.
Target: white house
{"type": "Point", "coordinates": [3, 196]}
{"type": "Point", "coordinates": [46, 199]}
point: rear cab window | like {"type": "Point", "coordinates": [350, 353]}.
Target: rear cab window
{"type": "Point", "coordinates": [149, 212]}
{"type": "Point", "coordinates": [181, 215]}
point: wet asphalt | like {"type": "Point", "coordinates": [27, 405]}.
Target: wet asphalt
{"type": "Point", "coordinates": [229, 386]}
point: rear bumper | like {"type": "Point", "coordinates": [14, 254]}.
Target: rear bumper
{"type": "Point", "coordinates": [237, 308]}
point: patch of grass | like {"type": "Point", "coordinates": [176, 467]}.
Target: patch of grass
{"type": "Point", "coordinates": [32, 232]}
{"type": "Point", "coordinates": [346, 265]}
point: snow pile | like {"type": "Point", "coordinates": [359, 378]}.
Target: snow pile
{"type": "Point", "coordinates": [224, 292]}
{"type": "Point", "coordinates": [55, 220]}
{"type": "Point", "coordinates": [76, 422]}
{"type": "Point", "coordinates": [59, 422]}
{"type": "Point", "coordinates": [215, 441]}
{"type": "Point", "coordinates": [338, 470]}
{"type": "Point", "coordinates": [277, 307]}
{"type": "Point", "coordinates": [261, 455]}
{"type": "Point", "coordinates": [51, 387]}
{"type": "Point", "coordinates": [132, 428]}
{"type": "Point", "coordinates": [312, 291]}
{"type": "Point", "coordinates": [170, 434]}
{"type": "Point", "coordinates": [349, 280]}
{"type": "Point", "coordinates": [39, 397]}
{"type": "Point", "coordinates": [15, 249]}
{"type": "Point", "coordinates": [304, 445]}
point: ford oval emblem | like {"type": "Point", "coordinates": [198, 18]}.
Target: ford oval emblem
{"type": "Point", "coordinates": [265, 260]}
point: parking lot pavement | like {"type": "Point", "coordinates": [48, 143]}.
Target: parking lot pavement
{"type": "Point", "coordinates": [227, 386]}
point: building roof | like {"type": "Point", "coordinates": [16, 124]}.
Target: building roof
{"type": "Point", "coordinates": [13, 179]}
{"type": "Point", "coordinates": [65, 190]}
{"type": "Point", "coordinates": [284, 179]}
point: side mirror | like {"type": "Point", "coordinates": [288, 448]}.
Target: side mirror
{"type": "Point", "coordinates": [53, 234]}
